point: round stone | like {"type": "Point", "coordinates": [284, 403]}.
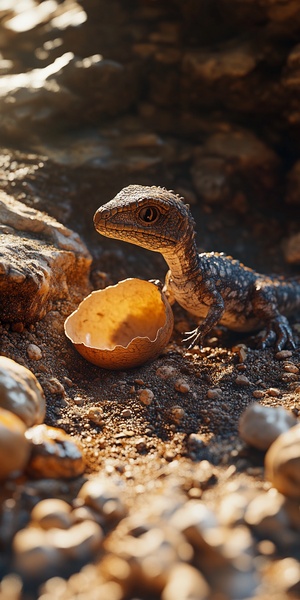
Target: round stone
{"type": "Point", "coordinates": [260, 425]}
{"type": "Point", "coordinates": [103, 496]}
{"type": "Point", "coordinates": [54, 453]}
{"type": "Point", "coordinates": [282, 463]}
{"type": "Point", "coordinates": [79, 542]}
{"type": "Point", "coordinates": [34, 352]}
{"type": "Point", "coordinates": [14, 447]}
{"type": "Point", "coordinates": [181, 385]}
{"type": "Point", "coordinates": [20, 392]}
{"type": "Point", "coordinates": [177, 414]}
{"type": "Point", "coordinates": [185, 582]}
{"type": "Point", "coordinates": [34, 555]}
{"type": "Point", "coordinates": [146, 396]}
{"type": "Point", "coordinates": [52, 512]}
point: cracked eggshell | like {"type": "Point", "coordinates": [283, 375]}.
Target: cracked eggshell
{"type": "Point", "coordinates": [122, 326]}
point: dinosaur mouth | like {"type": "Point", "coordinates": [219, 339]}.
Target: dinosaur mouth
{"type": "Point", "coordinates": [104, 227]}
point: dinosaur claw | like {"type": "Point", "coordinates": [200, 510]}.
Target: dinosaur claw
{"type": "Point", "coordinates": [278, 335]}
{"type": "Point", "coordinates": [193, 337]}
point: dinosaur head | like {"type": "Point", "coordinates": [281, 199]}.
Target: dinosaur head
{"type": "Point", "coordinates": [150, 217]}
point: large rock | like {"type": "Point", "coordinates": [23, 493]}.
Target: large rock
{"type": "Point", "coordinates": [41, 261]}
{"type": "Point", "coordinates": [53, 96]}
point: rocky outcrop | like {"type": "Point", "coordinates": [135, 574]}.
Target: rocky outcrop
{"type": "Point", "coordinates": [41, 261]}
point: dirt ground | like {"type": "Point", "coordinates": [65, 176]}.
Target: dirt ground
{"type": "Point", "coordinates": [183, 440]}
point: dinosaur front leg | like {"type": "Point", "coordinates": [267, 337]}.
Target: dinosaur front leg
{"type": "Point", "coordinates": [214, 315]}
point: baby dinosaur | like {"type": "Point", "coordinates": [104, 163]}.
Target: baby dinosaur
{"type": "Point", "coordinates": [210, 285]}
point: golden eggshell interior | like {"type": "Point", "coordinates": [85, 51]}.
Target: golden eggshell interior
{"type": "Point", "coordinates": [122, 326]}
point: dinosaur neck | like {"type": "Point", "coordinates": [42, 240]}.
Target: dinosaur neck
{"type": "Point", "coordinates": [183, 259]}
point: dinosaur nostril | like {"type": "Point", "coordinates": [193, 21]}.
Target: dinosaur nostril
{"type": "Point", "coordinates": [101, 215]}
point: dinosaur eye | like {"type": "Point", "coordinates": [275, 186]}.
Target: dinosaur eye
{"type": "Point", "coordinates": [149, 214]}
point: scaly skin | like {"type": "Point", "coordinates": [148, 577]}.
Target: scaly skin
{"type": "Point", "coordinates": [209, 285]}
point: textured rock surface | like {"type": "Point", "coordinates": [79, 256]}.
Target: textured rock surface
{"type": "Point", "coordinates": [40, 261]}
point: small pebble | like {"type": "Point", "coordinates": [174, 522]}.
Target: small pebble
{"type": "Point", "coordinates": [52, 512]}
{"type": "Point", "coordinates": [233, 506]}
{"type": "Point", "coordinates": [103, 495]}
{"type": "Point", "coordinates": [54, 386]}
{"type": "Point", "coordinates": [258, 394]}
{"type": "Point", "coordinates": [195, 442]}
{"type": "Point", "coordinates": [166, 372]}
{"type": "Point", "coordinates": [20, 392]}
{"type": "Point", "coordinates": [170, 455]}
{"type": "Point", "coordinates": [141, 445]}
{"type": "Point", "coordinates": [78, 400]}
{"type": "Point", "coordinates": [146, 396]}
{"type": "Point", "coordinates": [34, 352]}
{"type": "Point", "coordinates": [273, 392]}
{"type": "Point", "coordinates": [126, 413]}
{"type": "Point", "coordinates": [14, 447]}
{"type": "Point", "coordinates": [54, 453]}
{"type": "Point", "coordinates": [284, 575]}
{"type": "Point", "coordinates": [80, 541]}
{"type": "Point", "coordinates": [283, 354]}
{"type": "Point", "coordinates": [181, 385]}
{"type": "Point", "coordinates": [18, 327]}
{"type": "Point", "coordinates": [177, 414]}
{"type": "Point", "coordinates": [95, 414]}
{"type": "Point", "coordinates": [242, 380]}
{"type": "Point", "coordinates": [282, 463]}
{"type": "Point", "coordinates": [205, 475]}
{"type": "Point", "coordinates": [289, 377]}
{"type": "Point", "coordinates": [11, 587]}
{"type": "Point", "coordinates": [41, 553]}
{"type": "Point", "coordinates": [290, 368]}
{"type": "Point", "coordinates": [185, 582]}
{"type": "Point", "coordinates": [260, 425]}
{"type": "Point", "coordinates": [214, 393]}
{"type": "Point", "coordinates": [241, 350]}
{"type": "Point", "coordinates": [266, 514]}
{"type": "Point", "coordinates": [86, 513]}
{"type": "Point", "coordinates": [34, 555]}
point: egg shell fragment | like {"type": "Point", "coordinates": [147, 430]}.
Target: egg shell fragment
{"type": "Point", "coordinates": [122, 326]}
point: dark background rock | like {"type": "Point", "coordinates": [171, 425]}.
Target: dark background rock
{"type": "Point", "coordinates": [202, 97]}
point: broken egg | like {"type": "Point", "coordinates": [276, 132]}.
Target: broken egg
{"type": "Point", "coordinates": [121, 326]}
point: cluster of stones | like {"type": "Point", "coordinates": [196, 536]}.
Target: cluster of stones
{"type": "Point", "coordinates": [26, 443]}
{"type": "Point", "coordinates": [173, 545]}
{"type": "Point", "coordinates": [59, 534]}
